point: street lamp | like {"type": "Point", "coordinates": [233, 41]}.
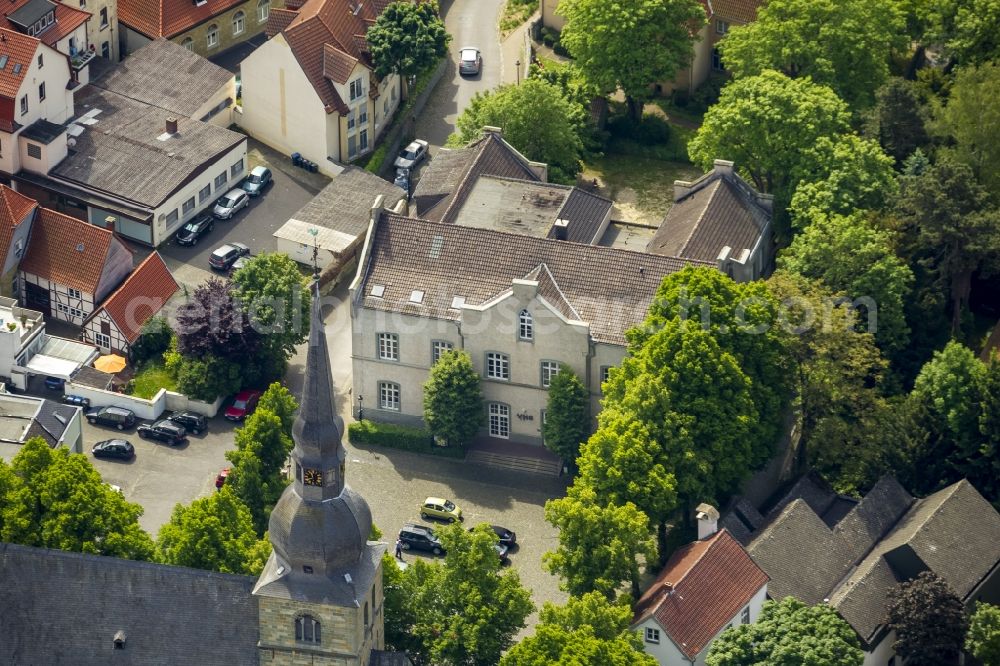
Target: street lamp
{"type": "Point", "coordinates": [517, 65]}
{"type": "Point", "coordinates": [361, 407]}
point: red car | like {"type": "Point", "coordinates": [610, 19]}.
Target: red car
{"type": "Point", "coordinates": [221, 479]}
{"type": "Point", "coordinates": [243, 405]}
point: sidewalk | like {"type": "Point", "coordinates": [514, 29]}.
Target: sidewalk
{"type": "Point", "coordinates": [512, 51]}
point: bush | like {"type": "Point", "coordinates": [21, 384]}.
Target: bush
{"type": "Point", "coordinates": [707, 93]}
{"type": "Point", "coordinates": [401, 437]}
{"type": "Point", "coordinates": [652, 129]}
{"type": "Point", "coordinates": [154, 339]}
{"type": "Point", "coordinates": [549, 36]}
{"type": "Point", "coordinates": [376, 159]}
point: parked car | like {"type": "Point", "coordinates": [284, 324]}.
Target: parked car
{"type": "Point", "coordinates": [164, 430]}
{"type": "Point", "coordinates": [239, 263]}
{"type": "Point", "coordinates": [117, 417]}
{"type": "Point", "coordinates": [470, 61]}
{"type": "Point", "coordinates": [192, 232]}
{"type": "Point", "coordinates": [411, 155]}
{"type": "Point", "coordinates": [243, 405]}
{"type": "Point", "coordinates": [230, 203]}
{"type": "Point", "coordinates": [507, 537]}
{"type": "Point", "coordinates": [403, 180]}
{"type": "Point", "coordinates": [114, 448]}
{"type": "Point", "coordinates": [76, 400]}
{"type": "Point", "coordinates": [437, 507]}
{"type": "Point", "coordinates": [502, 552]}
{"type": "Point", "coordinates": [259, 178]}
{"type": "Point", "coordinates": [221, 479]}
{"type": "Point", "coordinates": [224, 257]}
{"type": "Point", "coordinates": [55, 383]}
{"type": "Point", "coordinates": [420, 537]}
{"type": "Point", "coordinates": [190, 421]}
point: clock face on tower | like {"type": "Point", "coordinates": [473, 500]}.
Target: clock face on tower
{"type": "Point", "coordinates": [312, 477]}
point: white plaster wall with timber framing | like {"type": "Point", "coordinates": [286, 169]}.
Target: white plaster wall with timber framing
{"type": "Point", "coordinates": [102, 331]}
{"type": "Point", "coordinates": [65, 303]}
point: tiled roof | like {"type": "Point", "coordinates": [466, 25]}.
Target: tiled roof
{"type": "Point", "coordinates": [715, 215]}
{"type": "Point", "coordinates": [169, 18]}
{"type": "Point", "coordinates": [337, 65]}
{"type": "Point", "coordinates": [739, 11]}
{"type": "Point", "coordinates": [610, 288]}
{"type": "Point", "coordinates": [14, 208]}
{"type": "Point", "coordinates": [19, 50]}
{"type": "Point", "coordinates": [278, 19]}
{"type": "Point", "coordinates": [586, 212]}
{"type": "Point", "coordinates": [439, 178]}
{"type": "Point", "coordinates": [66, 250]}
{"type": "Point", "coordinates": [873, 516]}
{"type": "Point", "coordinates": [166, 75]}
{"type": "Point", "coordinates": [67, 19]}
{"type": "Point", "coordinates": [702, 588]}
{"type": "Point", "coordinates": [140, 296]}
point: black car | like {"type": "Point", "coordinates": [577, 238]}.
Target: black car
{"type": "Point", "coordinates": [114, 448]}
{"type": "Point", "coordinates": [190, 421]}
{"type": "Point", "coordinates": [224, 257]}
{"type": "Point", "coordinates": [420, 537]}
{"type": "Point", "coordinates": [165, 431]}
{"type": "Point", "coordinates": [507, 537]}
{"type": "Point", "coordinates": [76, 400]}
{"type": "Point", "coordinates": [117, 417]}
{"type": "Point", "coordinates": [192, 232]}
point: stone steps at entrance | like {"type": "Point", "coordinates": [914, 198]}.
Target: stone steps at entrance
{"type": "Point", "coordinates": [534, 465]}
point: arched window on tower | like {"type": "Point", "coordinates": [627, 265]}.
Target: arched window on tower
{"type": "Point", "coordinates": [526, 326]}
{"type": "Point", "coordinates": [366, 615]}
{"type": "Point", "coordinates": [307, 629]}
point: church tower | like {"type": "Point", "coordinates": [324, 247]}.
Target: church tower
{"type": "Point", "coordinates": [320, 594]}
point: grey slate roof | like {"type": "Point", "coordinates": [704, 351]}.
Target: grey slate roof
{"type": "Point", "coordinates": [52, 418]}
{"type": "Point", "coordinates": [440, 178]}
{"type": "Point", "coordinates": [610, 288]}
{"type": "Point", "coordinates": [585, 212]}
{"type": "Point", "coordinates": [167, 75]}
{"type": "Point", "coordinates": [65, 608]}
{"type": "Point", "coordinates": [873, 516]}
{"type": "Point", "coordinates": [710, 218]}
{"type": "Point", "coordinates": [122, 155]}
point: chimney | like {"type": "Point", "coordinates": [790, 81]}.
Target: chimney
{"type": "Point", "coordinates": [489, 129]}
{"type": "Point", "coordinates": [668, 586]}
{"type": "Point", "coordinates": [723, 167]}
{"type": "Point", "coordinates": [171, 125]}
{"type": "Point", "coordinates": [109, 222]}
{"type": "Point", "coordinates": [561, 228]}
{"type": "Point", "coordinates": [708, 520]}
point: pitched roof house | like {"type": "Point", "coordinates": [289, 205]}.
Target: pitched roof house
{"type": "Point", "coordinates": [206, 28]}
{"type": "Point", "coordinates": [705, 587]}
{"type": "Point", "coordinates": [117, 323]}
{"type": "Point", "coordinates": [311, 87]}
{"type": "Point", "coordinates": [16, 215]}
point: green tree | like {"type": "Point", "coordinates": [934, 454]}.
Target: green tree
{"type": "Point", "coordinates": [853, 256]}
{"type": "Point", "coordinates": [271, 291]}
{"type": "Point", "coordinates": [929, 621]}
{"type": "Point", "coordinates": [205, 378]}
{"type": "Point", "coordinates": [587, 631]}
{"type": "Point", "coordinates": [950, 228]}
{"type": "Point", "coordinates": [256, 477]}
{"type": "Point", "coordinates": [214, 533]}
{"type": "Point", "coordinates": [535, 118]}
{"type": "Point", "coordinates": [898, 120]}
{"type": "Point", "coordinates": [768, 125]}
{"type": "Point", "coordinates": [983, 639]}
{"type": "Point", "coordinates": [631, 44]}
{"type": "Point", "coordinates": [279, 401]}
{"type": "Point", "coordinates": [464, 612]}
{"type": "Point", "coordinates": [975, 38]}
{"type": "Point", "coordinates": [407, 38]}
{"type": "Point", "coordinates": [971, 118]}
{"type": "Point", "coordinates": [154, 339]}
{"type": "Point", "coordinates": [789, 632]}
{"type": "Point", "coordinates": [600, 543]}
{"type": "Point", "coordinates": [58, 500]}
{"type": "Point", "coordinates": [453, 400]}
{"type": "Point", "coordinates": [567, 415]}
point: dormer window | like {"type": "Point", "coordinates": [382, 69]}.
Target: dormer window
{"type": "Point", "coordinates": [525, 326]}
{"type": "Point", "coordinates": [307, 629]}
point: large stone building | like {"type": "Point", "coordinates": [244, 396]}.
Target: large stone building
{"type": "Point", "coordinates": [318, 601]}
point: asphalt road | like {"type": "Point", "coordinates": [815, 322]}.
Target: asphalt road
{"type": "Point", "coordinates": [470, 23]}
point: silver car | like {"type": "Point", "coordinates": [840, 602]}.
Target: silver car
{"type": "Point", "coordinates": [230, 203]}
{"type": "Point", "coordinates": [257, 181]}
{"type": "Point", "coordinates": [470, 61]}
{"type": "Point", "coordinates": [411, 155]}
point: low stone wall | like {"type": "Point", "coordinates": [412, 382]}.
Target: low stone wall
{"type": "Point", "coordinates": [144, 409]}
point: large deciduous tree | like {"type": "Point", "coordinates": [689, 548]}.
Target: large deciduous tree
{"type": "Point", "coordinates": [567, 415]}
{"type": "Point", "coordinates": [843, 44]}
{"type": "Point", "coordinates": [789, 632]}
{"type": "Point", "coordinates": [535, 118]}
{"type": "Point", "coordinates": [453, 400]}
{"type": "Point", "coordinates": [971, 118]}
{"type": "Point", "coordinates": [407, 38]}
{"type": "Point", "coordinates": [929, 620]}
{"type": "Point", "coordinates": [212, 323]}
{"type": "Point", "coordinates": [588, 631]}
{"type": "Point", "coordinates": [631, 44]}
{"type": "Point", "coordinates": [983, 639]}
{"type": "Point", "coordinates": [898, 120]}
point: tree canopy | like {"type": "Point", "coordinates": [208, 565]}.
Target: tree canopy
{"type": "Point", "coordinates": [971, 119]}
{"type": "Point", "coordinates": [453, 401]}
{"type": "Point", "coordinates": [929, 621]}
{"type": "Point", "coordinates": [212, 323]}
{"type": "Point", "coordinates": [407, 39]}
{"type": "Point", "coordinates": [567, 415]}
{"type": "Point", "coordinates": [630, 44]}
{"type": "Point", "coordinates": [983, 639]}
{"type": "Point", "coordinates": [789, 632]}
{"type": "Point", "coordinates": [898, 120]}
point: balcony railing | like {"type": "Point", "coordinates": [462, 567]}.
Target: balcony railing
{"type": "Point", "coordinates": [81, 59]}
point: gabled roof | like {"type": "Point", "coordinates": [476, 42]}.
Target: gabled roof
{"type": "Point", "coordinates": [740, 11]}
{"type": "Point", "coordinates": [67, 18]}
{"type": "Point", "coordinates": [18, 49]}
{"type": "Point", "coordinates": [610, 288]}
{"type": "Point", "coordinates": [169, 18]}
{"type": "Point", "coordinates": [702, 588]}
{"type": "Point", "coordinates": [140, 296]}
{"type": "Point", "coordinates": [14, 208]}
{"type": "Point", "coordinates": [66, 250]}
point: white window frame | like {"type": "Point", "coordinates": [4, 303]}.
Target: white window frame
{"type": "Point", "coordinates": [388, 346]}
{"type": "Point", "coordinates": [362, 140]}
{"type": "Point", "coordinates": [356, 89]}
{"type": "Point", "coordinates": [721, 27]}
{"type": "Point", "coordinates": [212, 37]}
{"type": "Point", "coordinates": [102, 340]}
{"type": "Point", "coordinates": [239, 23]}
{"type": "Point", "coordinates": [525, 326]}
{"type": "Point", "coordinates": [389, 394]}
{"type": "Point", "coordinates": [549, 369]}
{"type": "Point", "coordinates": [745, 616]}
{"type": "Point", "coordinates": [499, 420]}
{"type": "Point", "coordinates": [652, 635]}
{"type": "Point", "coordinates": [188, 43]}
{"type": "Point", "coordinates": [24, 104]}
{"type": "Point", "coordinates": [73, 293]}
{"type": "Point", "coordinates": [263, 10]}
{"type": "Point", "coordinates": [497, 366]}
{"type": "Point", "coordinates": [439, 347]}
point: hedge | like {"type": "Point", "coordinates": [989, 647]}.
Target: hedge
{"type": "Point", "coordinates": [405, 438]}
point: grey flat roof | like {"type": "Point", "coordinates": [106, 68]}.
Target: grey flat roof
{"type": "Point", "coordinates": [30, 12]}
{"type": "Point", "coordinates": [42, 131]}
{"type": "Point", "coordinates": [517, 206]}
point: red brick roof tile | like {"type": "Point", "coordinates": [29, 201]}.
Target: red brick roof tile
{"type": "Point", "coordinates": [710, 582]}
{"type": "Point", "coordinates": [14, 207]}
{"type": "Point", "coordinates": [66, 250]}
{"type": "Point", "coordinates": [169, 18]}
{"type": "Point", "coordinates": [337, 65]}
{"type": "Point", "coordinates": [140, 296]}
{"type": "Point", "coordinates": [20, 50]}
{"type": "Point", "coordinates": [741, 11]}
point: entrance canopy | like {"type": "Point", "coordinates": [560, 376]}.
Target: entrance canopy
{"type": "Point", "coordinates": [60, 357]}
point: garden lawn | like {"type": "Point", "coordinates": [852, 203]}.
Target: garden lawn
{"type": "Point", "coordinates": [150, 379]}
{"type": "Point", "coordinates": [641, 187]}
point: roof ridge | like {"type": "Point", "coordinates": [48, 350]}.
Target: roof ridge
{"type": "Point", "coordinates": [562, 294]}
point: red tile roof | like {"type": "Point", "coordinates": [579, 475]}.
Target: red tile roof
{"type": "Point", "coordinates": [169, 18]}
{"type": "Point", "coordinates": [66, 250]}
{"type": "Point", "coordinates": [710, 581]}
{"type": "Point", "coordinates": [19, 49]}
{"type": "Point", "coordinates": [67, 18]}
{"type": "Point", "coordinates": [140, 296]}
{"type": "Point", "coordinates": [741, 11]}
{"type": "Point", "coordinates": [14, 207]}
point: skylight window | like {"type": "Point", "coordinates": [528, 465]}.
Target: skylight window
{"type": "Point", "coordinates": [416, 296]}
{"type": "Point", "coordinates": [3, 61]}
{"type": "Point", "coordinates": [17, 68]}
{"type": "Point", "coordinates": [437, 244]}
{"type": "Point", "coordinates": [457, 302]}
{"type": "Point", "coordinates": [378, 290]}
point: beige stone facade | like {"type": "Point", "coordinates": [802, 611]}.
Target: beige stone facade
{"type": "Point", "coordinates": [102, 28]}
{"type": "Point", "coordinates": [223, 31]}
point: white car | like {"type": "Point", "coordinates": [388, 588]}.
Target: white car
{"type": "Point", "coordinates": [411, 155]}
{"type": "Point", "coordinates": [230, 203]}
